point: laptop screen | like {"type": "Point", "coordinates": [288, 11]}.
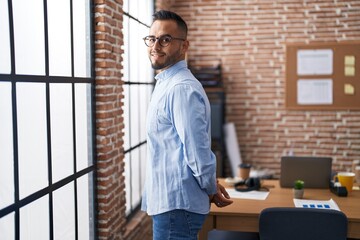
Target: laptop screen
{"type": "Point", "coordinates": [314, 171]}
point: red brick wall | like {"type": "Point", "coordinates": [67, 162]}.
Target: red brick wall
{"type": "Point", "coordinates": [111, 219]}
{"type": "Point", "coordinates": [249, 38]}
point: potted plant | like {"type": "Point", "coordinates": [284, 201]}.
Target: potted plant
{"type": "Point", "coordinates": [298, 188]}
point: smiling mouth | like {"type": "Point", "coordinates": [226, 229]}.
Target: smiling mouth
{"type": "Point", "coordinates": [156, 56]}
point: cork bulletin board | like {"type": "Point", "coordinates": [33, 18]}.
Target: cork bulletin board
{"type": "Point", "coordinates": [323, 76]}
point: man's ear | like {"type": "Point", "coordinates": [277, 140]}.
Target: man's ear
{"type": "Point", "coordinates": [185, 46]}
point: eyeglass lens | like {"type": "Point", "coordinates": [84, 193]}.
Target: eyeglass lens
{"type": "Point", "coordinates": [164, 41]}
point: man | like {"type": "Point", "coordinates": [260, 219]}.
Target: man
{"type": "Point", "coordinates": [181, 168]}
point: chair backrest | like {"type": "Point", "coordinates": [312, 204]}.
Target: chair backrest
{"type": "Point", "coordinates": [280, 223]}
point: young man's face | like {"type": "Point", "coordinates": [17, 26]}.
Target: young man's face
{"type": "Point", "coordinates": [161, 57]}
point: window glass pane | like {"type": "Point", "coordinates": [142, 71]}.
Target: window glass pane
{"type": "Point", "coordinates": [134, 41]}
{"type": "Point", "coordinates": [34, 220]}
{"type": "Point", "coordinates": [128, 189]}
{"type": "Point", "coordinates": [7, 228]}
{"type": "Point", "coordinates": [137, 69]}
{"type": "Point", "coordinates": [143, 151]}
{"type": "Point", "coordinates": [125, 100]}
{"type": "Point", "coordinates": [140, 9]}
{"type": "Point", "coordinates": [83, 125]}
{"type": "Point", "coordinates": [5, 62]}
{"type": "Point", "coordinates": [59, 38]}
{"type": "Point", "coordinates": [46, 122]}
{"type": "Point", "coordinates": [32, 137]}
{"type": "Point", "coordinates": [126, 5]}
{"type": "Point", "coordinates": [134, 115]}
{"type": "Point", "coordinates": [64, 212]}
{"type": "Point", "coordinates": [62, 153]}
{"type": "Point", "coordinates": [144, 13]}
{"type": "Point", "coordinates": [6, 147]}
{"type": "Point", "coordinates": [126, 54]}
{"type": "Point", "coordinates": [147, 73]}
{"type": "Point", "coordinates": [144, 99]}
{"type": "Point", "coordinates": [126, 115]}
{"type": "Point", "coordinates": [82, 35]}
{"type": "Point", "coordinates": [134, 8]}
{"type": "Point", "coordinates": [29, 37]}
{"type": "Point", "coordinates": [135, 177]}
{"type": "Point", "coordinates": [85, 193]}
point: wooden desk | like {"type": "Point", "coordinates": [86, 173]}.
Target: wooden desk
{"type": "Point", "coordinates": [243, 214]}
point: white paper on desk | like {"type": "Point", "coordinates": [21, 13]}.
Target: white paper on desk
{"type": "Point", "coordinates": [254, 195]}
{"type": "Point", "coordinates": [305, 203]}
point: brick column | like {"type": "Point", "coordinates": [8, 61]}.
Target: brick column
{"type": "Point", "coordinates": [109, 119]}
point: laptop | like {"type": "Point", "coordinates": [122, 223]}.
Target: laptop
{"type": "Point", "coordinates": [314, 171]}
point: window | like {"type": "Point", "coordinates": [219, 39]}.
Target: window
{"type": "Point", "coordinates": [46, 131]}
{"type": "Point", "coordinates": [138, 85]}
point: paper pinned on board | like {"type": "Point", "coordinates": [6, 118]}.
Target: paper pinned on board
{"type": "Point", "coordinates": [319, 204]}
{"type": "Point", "coordinates": [314, 91]}
{"type": "Point", "coordinates": [349, 71]}
{"type": "Point", "coordinates": [349, 60]}
{"type": "Point", "coordinates": [315, 62]}
{"type": "Point", "coordinates": [349, 89]}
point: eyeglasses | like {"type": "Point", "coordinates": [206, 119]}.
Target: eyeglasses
{"type": "Point", "coordinates": [164, 40]}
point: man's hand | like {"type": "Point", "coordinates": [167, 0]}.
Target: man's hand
{"type": "Point", "coordinates": [221, 198]}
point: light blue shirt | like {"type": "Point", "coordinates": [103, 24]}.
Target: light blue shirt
{"type": "Point", "coordinates": [181, 168]}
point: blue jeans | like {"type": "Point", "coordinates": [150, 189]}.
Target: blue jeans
{"type": "Point", "coordinates": [177, 225]}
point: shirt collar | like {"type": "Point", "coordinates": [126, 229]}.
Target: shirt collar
{"type": "Point", "coordinates": [168, 73]}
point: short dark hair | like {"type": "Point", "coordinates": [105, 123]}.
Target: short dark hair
{"type": "Point", "coordinates": [168, 15]}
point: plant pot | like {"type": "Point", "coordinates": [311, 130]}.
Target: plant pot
{"type": "Point", "coordinates": [298, 193]}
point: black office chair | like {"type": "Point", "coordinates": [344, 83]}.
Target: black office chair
{"type": "Point", "coordinates": [280, 223]}
{"type": "Point", "coordinates": [232, 235]}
